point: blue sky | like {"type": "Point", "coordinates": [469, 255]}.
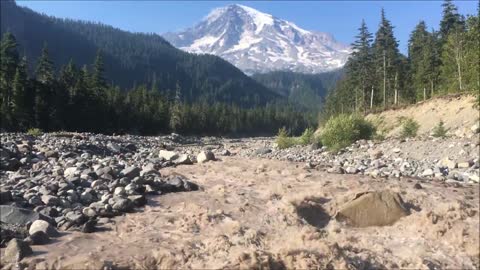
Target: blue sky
{"type": "Point", "coordinates": [340, 18]}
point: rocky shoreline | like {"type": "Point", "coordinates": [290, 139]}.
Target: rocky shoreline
{"type": "Point", "coordinates": [454, 160]}
{"type": "Point", "coordinates": [76, 181]}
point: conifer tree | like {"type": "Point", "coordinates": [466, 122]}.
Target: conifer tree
{"type": "Point", "coordinates": [361, 63]}
{"type": "Point", "coordinates": [451, 21]}
{"type": "Point", "coordinates": [472, 53]}
{"type": "Point", "coordinates": [453, 61]}
{"type": "Point", "coordinates": [44, 71]}
{"type": "Point", "coordinates": [45, 81]}
{"type": "Point", "coordinates": [8, 66]}
{"type": "Point", "coordinates": [20, 110]}
{"type": "Point", "coordinates": [176, 111]}
{"type": "Point", "coordinates": [418, 53]}
{"type": "Point", "coordinates": [386, 57]}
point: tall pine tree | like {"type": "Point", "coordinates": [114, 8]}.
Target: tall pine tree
{"type": "Point", "coordinates": [419, 55]}
{"type": "Point", "coordinates": [451, 21]}
{"type": "Point", "coordinates": [386, 58]}
{"type": "Point", "coordinates": [361, 65]}
{"type": "Point", "coordinates": [45, 82]}
{"type": "Point", "coordinates": [8, 66]}
{"type": "Point", "coordinates": [20, 105]}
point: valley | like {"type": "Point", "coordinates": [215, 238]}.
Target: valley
{"type": "Point", "coordinates": [212, 135]}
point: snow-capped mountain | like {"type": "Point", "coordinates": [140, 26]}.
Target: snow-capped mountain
{"type": "Point", "coordinates": [257, 42]}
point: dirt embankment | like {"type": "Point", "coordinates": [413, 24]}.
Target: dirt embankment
{"type": "Point", "coordinates": [458, 113]}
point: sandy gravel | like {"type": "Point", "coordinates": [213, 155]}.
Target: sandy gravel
{"type": "Point", "coordinates": [259, 213]}
{"type": "Point", "coordinates": [457, 112]}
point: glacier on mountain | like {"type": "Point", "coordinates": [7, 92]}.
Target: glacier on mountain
{"type": "Point", "coordinates": [257, 42]}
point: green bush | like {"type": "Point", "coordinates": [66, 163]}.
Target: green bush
{"type": "Point", "coordinates": [307, 137]}
{"type": "Point", "coordinates": [439, 130]}
{"type": "Point", "coordinates": [409, 128]}
{"type": "Point", "coordinates": [342, 130]}
{"type": "Point", "coordinates": [34, 132]}
{"type": "Point", "coordinates": [283, 140]}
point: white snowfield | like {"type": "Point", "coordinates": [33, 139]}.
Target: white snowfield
{"type": "Point", "coordinates": [257, 42]}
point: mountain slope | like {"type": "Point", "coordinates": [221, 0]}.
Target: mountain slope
{"type": "Point", "coordinates": [132, 58]}
{"type": "Point", "coordinates": [257, 42]}
{"type": "Point", "coordinates": [308, 90]}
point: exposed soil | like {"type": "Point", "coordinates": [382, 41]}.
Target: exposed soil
{"type": "Point", "coordinates": [457, 112]}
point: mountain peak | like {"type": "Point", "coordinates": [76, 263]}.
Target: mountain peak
{"type": "Point", "coordinates": [258, 42]}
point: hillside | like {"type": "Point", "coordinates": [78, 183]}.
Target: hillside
{"type": "Point", "coordinates": [308, 90]}
{"type": "Point", "coordinates": [458, 113]}
{"type": "Point", "coordinates": [131, 58]}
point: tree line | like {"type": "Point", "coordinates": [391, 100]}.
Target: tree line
{"type": "Point", "coordinates": [131, 59]}
{"type": "Point", "coordinates": [439, 62]}
{"type": "Point", "coordinates": [81, 99]}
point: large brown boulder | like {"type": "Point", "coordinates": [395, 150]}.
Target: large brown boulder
{"type": "Point", "coordinates": [372, 209]}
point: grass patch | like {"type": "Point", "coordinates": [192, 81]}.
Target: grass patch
{"type": "Point", "coordinates": [34, 132]}
{"type": "Point", "coordinates": [307, 137]}
{"type": "Point", "coordinates": [381, 128]}
{"type": "Point", "coordinates": [342, 130]}
{"type": "Point", "coordinates": [285, 141]}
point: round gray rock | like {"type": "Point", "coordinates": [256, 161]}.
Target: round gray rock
{"type": "Point", "coordinates": [43, 226]}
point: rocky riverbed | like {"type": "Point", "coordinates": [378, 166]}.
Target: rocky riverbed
{"type": "Point", "coordinates": [59, 188]}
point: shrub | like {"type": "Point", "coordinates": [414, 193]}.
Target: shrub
{"type": "Point", "coordinates": [381, 128]}
{"type": "Point", "coordinates": [307, 137]}
{"type": "Point", "coordinates": [34, 132]}
{"type": "Point", "coordinates": [439, 130]}
{"type": "Point", "coordinates": [409, 128]}
{"type": "Point", "coordinates": [342, 130]}
{"type": "Point", "coordinates": [283, 140]}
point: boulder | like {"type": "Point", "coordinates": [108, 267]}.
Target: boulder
{"type": "Point", "coordinates": [130, 172]}
{"type": "Point", "coordinates": [122, 204]}
{"type": "Point", "coordinates": [375, 153]}
{"type": "Point", "coordinates": [16, 250]}
{"type": "Point", "coordinates": [205, 156]}
{"type": "Point", "coordinates": [225, 152]}
{"type": "Point", "coordinates": [473, 177]}
{"type": "Point", "coordinates": [475, 128]}
{"type": "Point", "coordinates": [182, 159]}
{"type": "Point", "coordinates": [427, 173]}
{"type": "Point", "coordinates": [10, 231]}
{"type": "Point", "coordinates": [464, 164]}
{"type": "Point", "coordinates": [89, 226]}
{"type": "Point", "coordinates": [75, 217]}
{"type": "Point", "coordinates": [335, 169]}
{"type": "Point", "coordinates": [263, 151]}
{"type": "Point", "coordinates": [11, 164]}
{"type": "Point", "coordinates": [43, 226]}
{"type": "Point", "coordinates": [138, 200]}
{"type": "Point", "coordinates": [50, 200]}
{"type": "Point", "coordinates": [5, 197]}
{"type": "Point", "coordinates": [448, 163]}
{"type": "Point", "coordinates": [372, 209]}
{"type": "Point", "coordinates": [168, 155]}
{"type": "Point", "coordinates": [89, 212]}
{"type": "Point", "coordinates": [351, 170]}
{"type": "Point", "coordinates": [179, 183]}
{"type": "Point", "coordinates": [70, 172]}
{"type": "Point", "coordinates": [14, 215]}
{"type": "Point", "coordinates": [38, 238]}
{"type": "Point", "coordinates": [115, 148]}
